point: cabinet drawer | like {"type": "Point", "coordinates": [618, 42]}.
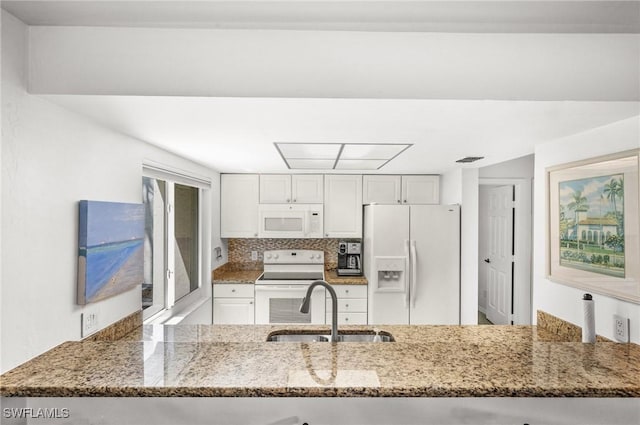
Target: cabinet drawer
{"type": "Point", "coordinates": [349, 305]}
{"type": "Point", "coordinates": [350, 318]}
{"type": "Point", "coordinates": [233, 291]}
{"type": "Point", "coordinates": [350, 291]}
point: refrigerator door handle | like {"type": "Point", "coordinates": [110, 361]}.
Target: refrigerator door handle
{"type": "Point", "coordinates": [407, 248]}
{"type": "Point", "coordinates": [414, 273]}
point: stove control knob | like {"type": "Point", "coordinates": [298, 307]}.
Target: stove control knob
{"type": "Point", "coordinates": [276, 256]}
{"type": "Point", "coordinates": [318, 256]}
{"type": "Point", "coordinates": [268, 256]}
{"type": "Point", "coordinates": [311, 257]}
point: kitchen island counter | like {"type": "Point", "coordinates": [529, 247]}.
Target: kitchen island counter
{"type": "Point", "coordinates": [425, 361]}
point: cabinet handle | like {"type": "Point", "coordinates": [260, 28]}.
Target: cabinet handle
{"type": "Point", "coordinates": [250, 302]}
{"type": "Point", "coordinates": [326, 234]}
{"type": "Point", "coordinates": [346, 319]}
{"type": "Point", "coordinates": [294, 200]}
{"type": "Point", "coordinates": [346, 305]}
{"type": "Point", "coordinates": [399, 201]}
{"type": "Point", "coordinates": [405, 201]}
{"type": "Point", "coordinates": [255, 235]}
{"type": "Point", "coordinates": [233, 290]}
{"type": "Point", "coordinates": [288, 200]}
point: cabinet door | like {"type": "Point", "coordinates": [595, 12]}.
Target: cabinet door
{"type": "Point", "coordinates": [239, 195]}
{"type": "Point", "coordinates": [233, 311]}
{"type": "Point", "coordinates": [381, 189]}
{"type": "Point", "coordinates": [420, 189]}
{"type": "Point", "coordinates": [275, 189]}
{"type": "Point", "coordinates": [343, 206]}
{"type": "Point", "coordinates": [307, 188]}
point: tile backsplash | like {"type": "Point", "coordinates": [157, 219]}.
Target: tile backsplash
{"type": "Point", "coordinates": [240, 250]}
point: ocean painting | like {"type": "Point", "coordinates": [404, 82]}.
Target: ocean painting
{"type": "Point", "coordinates": [110, 249]}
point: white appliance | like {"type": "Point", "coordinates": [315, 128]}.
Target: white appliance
{"type": "Point", "coordinates": [290, 221]}
{"type": "Point", "coordinates": [280, 289]}
{"type": "Point", "coordinates": [412, 263]}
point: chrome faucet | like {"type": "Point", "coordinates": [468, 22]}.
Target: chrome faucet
{"type": "Point", "coordinates": [304, 307]}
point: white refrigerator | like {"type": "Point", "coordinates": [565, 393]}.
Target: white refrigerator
{"type": "Point", "coordinates": [412, 262]}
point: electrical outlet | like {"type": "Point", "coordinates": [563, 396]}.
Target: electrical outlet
{"type": "Point", "coordinates": [254, 255]}
{"type": "Point", "coordinates": [89, 323]}
{"type": "Point", "coordinates": [620, 328]}
{"type": "Point", "coordinates": [218, 252]}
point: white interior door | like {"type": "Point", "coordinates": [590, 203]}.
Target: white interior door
{"type": "Point", "coordinates": [500, 255]}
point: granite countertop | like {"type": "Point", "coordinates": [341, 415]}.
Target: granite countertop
{"type": "Point", "coordinates": [425, 361]}
{"type": "Point", "coordinates": [235, 276]}
{"type": "Point", "coordinates": [331, 276]}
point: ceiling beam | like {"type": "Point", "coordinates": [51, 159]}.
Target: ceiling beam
{"type": "Point", "coordinates": [333, 64]}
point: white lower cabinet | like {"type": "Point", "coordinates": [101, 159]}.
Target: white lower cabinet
{"type": "Point", "coordinates": [332, 410]}
{"type": "Point", "coordinates": [352, 304]}
{"type": "Point", "coordinates": [233, 304]}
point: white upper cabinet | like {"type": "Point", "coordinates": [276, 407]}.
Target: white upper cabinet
{"type": "Point", "coordinates": [343, 206]}
{"type": "Point", "coordinates": [385, 189]}
{"type": "Point", "coordinates": [287, 188]}
{"type": "Point", "coordinates": [420, 189]}
{"type": "Point", "coordinates": [239, 196]}
{"type": "Point", "coordinates": [381, 189]}
{"type": "Point", "coordinates": [307, 188]}
{"type": "Point", "coordinates": [275, 188]}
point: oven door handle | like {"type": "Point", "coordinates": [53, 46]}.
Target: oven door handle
{"type": "Point", "coordinates": [274, 288]}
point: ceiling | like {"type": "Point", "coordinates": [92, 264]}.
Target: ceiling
{"type": "Point", "coordinates": [237, 134]}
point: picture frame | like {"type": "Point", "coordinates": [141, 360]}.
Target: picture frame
{"type": "Point", "coordinates": [593, 223]}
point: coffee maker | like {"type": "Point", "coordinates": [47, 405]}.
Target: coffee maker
{"type": "Point", "coordinates": [349, 259]}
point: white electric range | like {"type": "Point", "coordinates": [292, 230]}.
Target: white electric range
{"type": "Point", "coordinates": [283, 284]}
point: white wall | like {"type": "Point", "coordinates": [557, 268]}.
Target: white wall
{"type": "Point", "coordinates": [469, 248]}
{"type": "Point", "coordinates": [451, 187]}
{"type": "Point", "coordinates": [519, 168]}
{"type": "Point", "coordinates": [557, 299]}
{"type": "Point", "coordinates": [51, 159]}
{"type": "Point", "coordinates": [460, 186]}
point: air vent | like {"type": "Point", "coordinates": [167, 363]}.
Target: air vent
{"type": "Point", "coordinates": [470, 159]}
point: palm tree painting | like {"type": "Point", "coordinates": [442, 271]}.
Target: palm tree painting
{"type": "Point", "coordinates": [592, 224]}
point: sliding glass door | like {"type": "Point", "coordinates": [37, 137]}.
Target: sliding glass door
{"type": "Point", "coordinates": [172, 243]}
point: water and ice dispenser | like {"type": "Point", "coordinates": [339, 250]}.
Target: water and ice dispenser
{"type": "Point", "coordinates": [391, 274]}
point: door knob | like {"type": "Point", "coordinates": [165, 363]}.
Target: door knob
{"type": "Point", "coordinates": [486, 260]}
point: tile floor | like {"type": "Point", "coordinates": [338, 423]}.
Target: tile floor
{"type": "Point", "coordinates": [482, 319]}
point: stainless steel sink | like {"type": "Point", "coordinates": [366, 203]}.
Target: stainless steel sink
{"type": "Point", "coordinates": [297, 338]}
{"type": "Point", "coordinates": [358, 336]}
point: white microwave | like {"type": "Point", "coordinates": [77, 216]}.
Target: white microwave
{"type": "Point", "coordinates": [290, 221]}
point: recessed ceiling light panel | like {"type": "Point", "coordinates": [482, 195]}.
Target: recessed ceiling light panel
{"type": "Point", "coordinates": [360, 164]}
{"type": "Point", "coordinates": [311, 164]}
{"type": "Point", "coordinates": [339, 156]}
{"type": "Point", "coordinates": [309, 150]}
{"type": "Point", "coordinates": [366, 151]}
